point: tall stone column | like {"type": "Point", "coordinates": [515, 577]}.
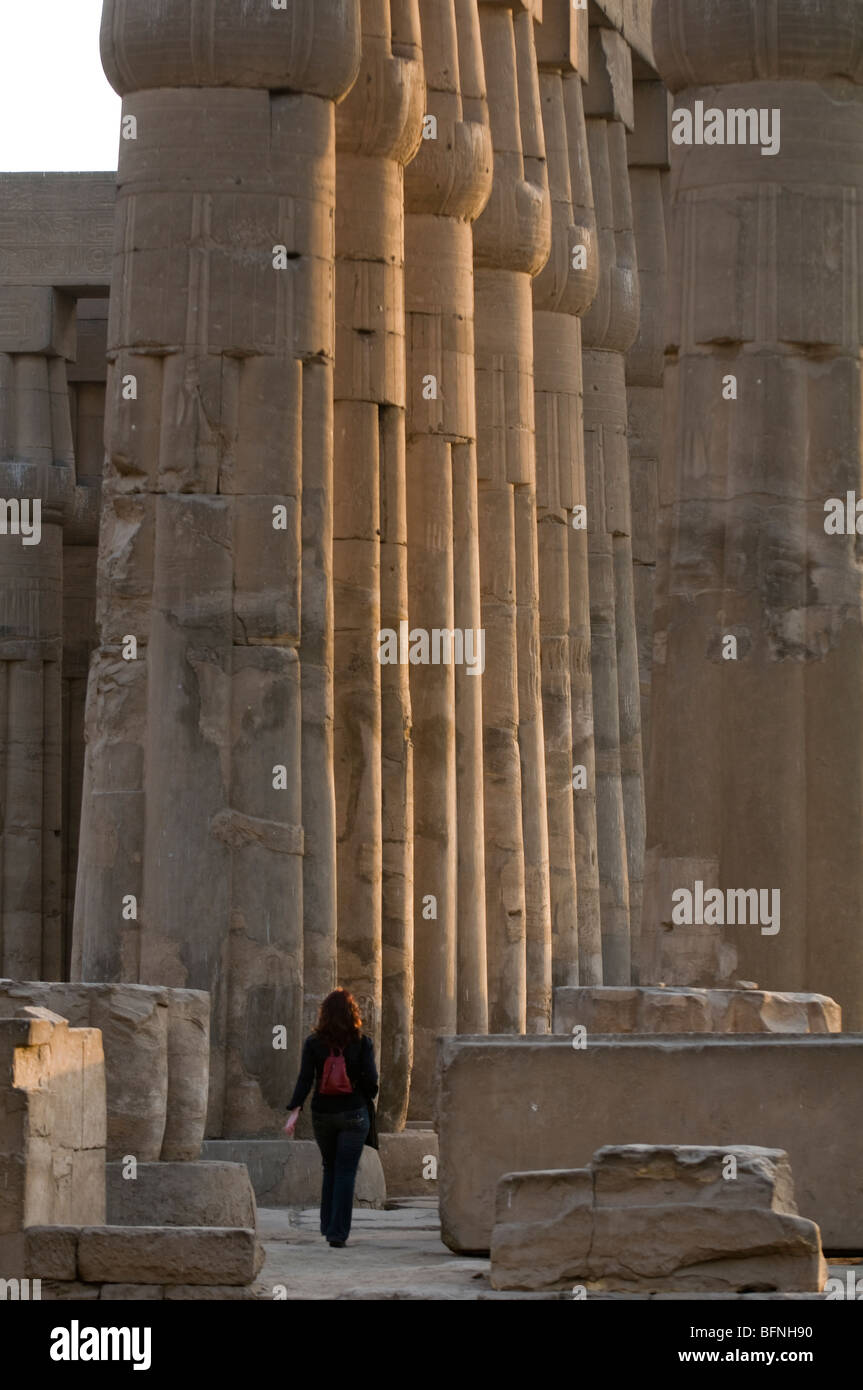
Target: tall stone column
{"type": "Point", "coordinates": [378, 129]}
{"type": "Point", "coordinates": [759, 632]}
{"type": "Point", "coordinates": [610, 328]}
{"type": "Point", "coordinates": [446, 188]}
{"type": "Point", "coordinates": [37, 475]}
{"type": "Point", "coordinates": [647, 149]}
{"type": "Point", "coordinates": [512, 240]}
{"type": "Point", "coordinates": [221, 349]}
{"type": "Point", "coordinates": [562, 292]}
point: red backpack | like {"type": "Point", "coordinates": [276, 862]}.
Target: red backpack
{"type": "Point", "coordinates": [335, 1080]}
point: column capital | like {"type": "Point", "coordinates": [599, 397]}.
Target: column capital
{"type": "Point", "coordinates": [310, 46]}
{"type": "Point", "coordinates": [751, 41]}
{"type": "Point", "coordinates": [382, 114]}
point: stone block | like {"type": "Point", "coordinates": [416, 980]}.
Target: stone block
{"type": "Point", "coordinates": [37, 320]}
{"type": "Point", "coordinates": [657, 1219]}
{"type": "Point", "coordinates": [562, 37]}
{"type": "Point", "coordinates": [52, 1252]}
{"type": "Point", "coordinates": [188, 1075]}
{"type": "Point", "coordinates": [643, 1175]}
{"type": "Point", "coordinates": [681, 1009]}
{"type": "Point", "coordinates": [181, 1194]}
{"type": "Point", "coordinates": [521, 1104]}
{"type": "Point", "coordinates": [52, 1124]}
{"type": "Point", "coordinates": [57, 229]}
{"type": "Point", "coordinates": [406, 1159]}
{"type": "Point", "coordinates": [287, 1172]}
{"type": "Point", "coordinates": [170, 1255]}
{"type": "Point", "coordinates": [647, 146]}
{"type": "Point", "coordinates": [609, 92]}
{"type": "Point", "coordinates": [156, 1046]}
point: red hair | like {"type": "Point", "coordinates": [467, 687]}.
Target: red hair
{"type": "Point", "coordinates": [339, 1021]}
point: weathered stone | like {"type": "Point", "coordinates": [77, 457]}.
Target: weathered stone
{"type": "Point", "coordinates": [378, 131]}
{"type": "Point", "coordinates": [180, 1194]}
{"type": "Point", "coordinates": [409, 1161]}
{"type": "Point", "coordinates": [52, 1127]}
{"type": "Point", "coordinates": [52, 1252]}
{"type": "Point", "coordinates": [685, 1090]}
{"type": "Point", "coordinates": [759, 613]}
{"type": "Point", "coordinates": [213, 446]}
{"type": "Point", "coordinates": [188, 1076]}
{"type": "Point", "coordinates": [512, 240]}
{"type": "Point", "coordinates": [606, 1009]}
{"type": "Point", "coordinates": [642, 1218]}
{"type": "Point", "coordinates": [156, 1045]}
{"type": "Point", "coordinates": [447, 186]}
{"type": "Point", "coordinates": [643, 1175]}
{"type": "Point", "coordinates": [168, 1255]}
{"type": "Point", "coordinates": [562, 292]}
{"type": "Point", "coordinates": [287, 1172]}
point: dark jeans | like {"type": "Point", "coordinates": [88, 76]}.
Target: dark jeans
{"type": "Point", "coordinates": [340, 1138]}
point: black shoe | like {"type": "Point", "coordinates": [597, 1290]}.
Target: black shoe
{"type": "Point", "coordinates": [338, 1244]}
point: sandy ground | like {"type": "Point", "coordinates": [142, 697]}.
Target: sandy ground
{"type": "Point", "coordinates": [393, 1254]}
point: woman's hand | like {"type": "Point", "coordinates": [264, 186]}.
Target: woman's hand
{"type": "Point", "coordinates": [292, 1123]}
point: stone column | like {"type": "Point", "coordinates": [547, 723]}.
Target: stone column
{"type": "Point", "coordinates": [759, 632]}
{"type": "Point", "coordinates": [80, 555]}
{"type": "Point", "coordinates": [37, 473]}
{"type": "Point", "coordinates": [562, 292]}
{"type": "Point", "coordinates": [221, 345]}
{"type": "Point", "coordinates": [648, 163]}
{"type": "Point", "coordinates": [511, 244]}
{"type": "Point", "coordinates": [610, 328]}
{"type": "Point", "coordinates": [446, 188]}
{"type": "Point", "coordinates": [378, 129]}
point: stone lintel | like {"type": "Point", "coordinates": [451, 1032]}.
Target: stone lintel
{"type": "Point", "coordinates": [58, 230]}
{"type": "Point", "coordinates": [609, 91]}
{"type": "Point", "coordinates": [647, 146]}
{"type": "Point", "coordinates": [562, 38]}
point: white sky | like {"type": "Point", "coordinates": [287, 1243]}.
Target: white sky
{"type": "Point", "coordinates": [57, 110]}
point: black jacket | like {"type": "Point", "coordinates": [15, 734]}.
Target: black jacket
{"type": "Point", "coordinates": [359, 1064]}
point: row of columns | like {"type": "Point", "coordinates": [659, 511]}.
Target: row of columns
{"type": "Point", "coordinates": [376, 283]}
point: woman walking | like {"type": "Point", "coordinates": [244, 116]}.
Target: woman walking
{"type": "Point", "coordinates": [340, 1060]}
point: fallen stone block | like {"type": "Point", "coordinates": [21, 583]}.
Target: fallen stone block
{"type": "Point", "coordinates": [167, 1255]}
{"type": "Point", "coordinates": [287, 1172]}
{"type": "Point", "coordinates": [409, 1161]}
{"type": "Point", "coordinates": [641, 1219]}
{"type": "Point", "coordinates": [642, 1175]}
{"type": "Point", "coordinates": [682, 1009]}
{"type": "Point", "coordinates": [181, 1194]}
{"type": "Point", "coordinates": [510, 1105]}
{"type": "Point", "coordinates": [156, 1047]}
